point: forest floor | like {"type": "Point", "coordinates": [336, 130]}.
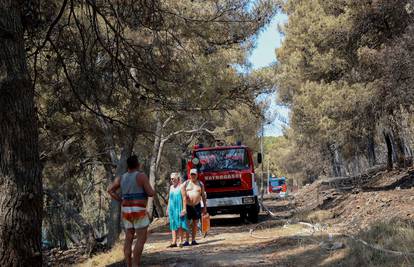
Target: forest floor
{"type": "Point", "coordinates": [381, 213]}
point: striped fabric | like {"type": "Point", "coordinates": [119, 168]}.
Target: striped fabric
{"type": "Point", "coordinates": [133, 209]}
{"type": "Point", "coordinates": [134, 198]}
{"type": "Point", "coordinates": [134, 203]}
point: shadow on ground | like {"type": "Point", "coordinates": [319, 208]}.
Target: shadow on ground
{"type": "Point", "coordinates": [284, 251]}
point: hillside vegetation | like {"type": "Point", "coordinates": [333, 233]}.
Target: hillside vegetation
{"type": "Point", "coordinates": [345, 69]}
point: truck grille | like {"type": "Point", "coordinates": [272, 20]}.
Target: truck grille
{"type": "Point", "coordinates": [237, 193]}
{"type": "Point", "coordinates": [223, 183]}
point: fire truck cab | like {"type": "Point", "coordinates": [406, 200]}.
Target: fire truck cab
{"type": "Point", "coordinates": [227, 173]}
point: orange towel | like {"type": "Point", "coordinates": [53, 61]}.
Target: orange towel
{"type": "Point", "coordinates": [205, 224]}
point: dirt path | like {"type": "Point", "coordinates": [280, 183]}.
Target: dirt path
{"type": "Point", "coordinates": [230, 244]}
{"type": "Point", "coordinates": [276, 243]}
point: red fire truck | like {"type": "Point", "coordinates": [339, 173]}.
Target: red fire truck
{"type": "Point", "coordinates": [228, 175]}
{"type": "Point", "coordinates": [277, 185]}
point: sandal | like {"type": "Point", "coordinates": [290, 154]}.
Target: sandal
{"type": "Point", "coordinates": [172, 246]}
{"type": "Point", "coordinates": [186, 244]}
{"type": "Point", "coordinates": [194, 243]}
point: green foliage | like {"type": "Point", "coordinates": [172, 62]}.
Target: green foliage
{"type": "Point", "coordinates": [106, 74]}
{"type": "Point", "coordinates": [344, 69]}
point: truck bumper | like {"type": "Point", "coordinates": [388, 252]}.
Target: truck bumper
{"type": "Point", "coordinates": [232, 205]}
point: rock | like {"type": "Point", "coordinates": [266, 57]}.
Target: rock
{"type": "Point", "coordinates": [337, 245]}
{"type": "Point", "coordinates": [331, 246]}
{"type": "Point", "coordinates": [324, 245]}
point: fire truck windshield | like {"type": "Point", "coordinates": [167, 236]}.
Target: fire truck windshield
{"type": "Point", "coordinates": [223, 159]}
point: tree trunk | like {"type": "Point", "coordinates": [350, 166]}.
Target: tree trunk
{"type": "Point", "coordinates": [159, 142]}
{"type": "Point", "coordinates": [108, 146]}
{"type": "Point", "coordinates": [400, 150]}
{"type": "Point", "coordinates": [184, 153]}
{"type": "Point", "coordinates": [336, 160]}
{"type": "Point", "coordinates": [372, 159]}
{"type": "Point", "coordinates": [388, 142]}
{"type": "Point", "coordinates": [20, 168]}
{"type": "Point", "coordinates": [355, 165]}
{"type": "Point", "coordinates": [158, 206]}
{"type": "Point", "coordinates": [53, 224]}
{"type": "Point", "coordinates": [58, 229]}
{"type": "Point", "coordinates": [114, 223]}
{"type": "Point", "coordinates": [153, 163]}
{"type": "Point", "coordinates": [409, 155]}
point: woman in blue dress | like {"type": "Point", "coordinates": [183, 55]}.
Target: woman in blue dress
{"type": "Point", "coordinates": [176, 210]}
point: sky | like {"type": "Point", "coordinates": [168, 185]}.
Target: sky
{"type": "Point", "coordinates": [263, 55]}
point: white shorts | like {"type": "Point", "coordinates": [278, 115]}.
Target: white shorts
{"type": "Point", "coordinates": [136, 224]}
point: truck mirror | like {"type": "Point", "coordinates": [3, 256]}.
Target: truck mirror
{"type": "Point", "coordinates": [259, 158]}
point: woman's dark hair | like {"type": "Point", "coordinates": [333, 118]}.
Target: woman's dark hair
{"type": "Point", "coordinates": [132, 162]}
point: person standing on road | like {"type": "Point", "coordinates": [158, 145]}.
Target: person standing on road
{"type": "Point", "coordinates": [194, 192]}
{"type": "Point", "coordinates": [135, 190]}
{"type": "Point", "coordinates": [176, 210]}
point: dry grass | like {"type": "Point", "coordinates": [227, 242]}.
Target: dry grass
{"type": "Point", "coordinates": [396, 235]}
{"type": "Point", "coordinates": [320, 216]}
{"type": "Point", "coordinates": [114, 255]}
{"type": "Point", "coordinates": [314, 216]}
{"type": "Point", "coordinates": [263, 233]}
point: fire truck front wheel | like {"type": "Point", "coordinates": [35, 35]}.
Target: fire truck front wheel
{"type": "Point", "coordinates": [253, 214]}
{"type": "Point", "coordinates": [243, 215]}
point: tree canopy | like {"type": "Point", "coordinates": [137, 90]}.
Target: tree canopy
{"type": "Point", "coordinates": [344, 69]}
{"type": "Point", "coordinates": [106, 79]}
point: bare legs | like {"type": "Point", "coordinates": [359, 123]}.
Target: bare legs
{"type": "Point", "coordinates": [174, 237]}
{"type": "Point", "coordinates": [129, 237]}
{"type": "Point", "coordinates": [193, 230]}
{"type": "Point", "coordinates": [141, 236]}
{"type": "Point", "coordinates": [177, 236]}
{"type": "Point", "coordinates": [180, 235]}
